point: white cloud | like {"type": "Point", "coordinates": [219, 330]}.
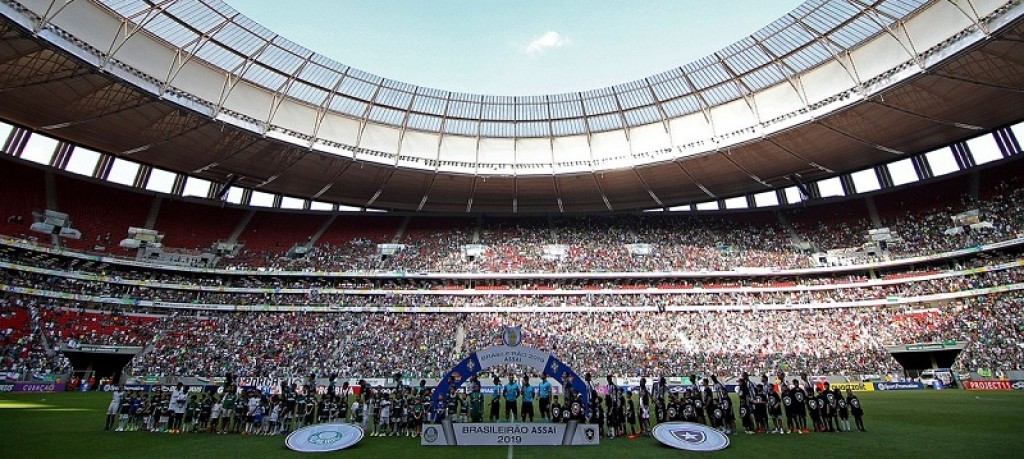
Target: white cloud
{"type": "Point", "coordinates": [549, 39]}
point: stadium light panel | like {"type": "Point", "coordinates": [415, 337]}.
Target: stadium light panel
{"type": "Point", "coordinates": [5, 131]}
{"type": "Point", "coordinates": [739, 202]}
{"type": "Point", "coordinates": [942, 161]}
{"type": "Point", "coordinates": [196, 187]}
{"type": "Point", "coordinates": [865, 181]}
{"type": "Point", "coordinates": [902, 172]}
{"type": "Point", "coordinates": [83, 161]}
{"type": "Point", "coordinates": [1018, 132]}
{"type": "Point", "coordinates": [235, 195]}
{"type": "Point", "coordinates": [793, 195]}
{"type": "Point", "coordinates": [709, 205]}
{"type": "Point", "coordinates": [160, 181]}
{"type": "Point", "coordinates": [766, 199]}
{"type": "Point", "coordinates": [318, 205]}
{"type": "Point", "coordinates": [123, 172]}
{"type": "Point", "coordinates": [261, 199]}
{"type": "Point", "coordinates": [984, 149]}
{"type": "Point", "coordinates": [831, 187]}
{"type": "Point", "coordinates": [291, 203]}
{"type": "Point", "coordinates": [39, 149]}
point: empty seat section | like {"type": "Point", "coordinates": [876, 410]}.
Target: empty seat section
{"type": "Point", "coordinates": [24, 190]}
{"type": "Point", "coordinates": [191, 225]}
{"type": "Point", "coordinates": [102, 213]}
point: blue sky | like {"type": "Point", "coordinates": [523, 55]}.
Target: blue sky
{"type": "Point", "coordinates": [514, 47]}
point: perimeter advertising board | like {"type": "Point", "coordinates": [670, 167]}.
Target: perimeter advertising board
{"type": "Point", "coordinates": [993, 384]}
{"type": "Point", "coordinates": [901, 385]}
{"type": "Point", "coordinates": [22, 386]}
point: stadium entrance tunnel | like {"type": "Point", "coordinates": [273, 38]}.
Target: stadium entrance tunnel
{"type": "Point", "coordinates": [98, 364]}
{"type": "Point", "coordinates": [916, 357]}
{"type": "Point", "coordinates": [541, 361]}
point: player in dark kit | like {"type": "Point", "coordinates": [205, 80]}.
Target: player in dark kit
{"type": "Point", "coordinates": [760, 409]}
{"type": "Point", "coordinates": [787, 403]}
{"type": "Point", "coordinates": [698, 406]}
{"type": "Point", "coordinates": [618, 413]}
{"type": "Point", "coordinates": [595, 403]}
{"type": "Point", "coordinates": [597, 413]}
{"type": "Point", "coordinates": [844, 411]}
{"type": "Point", "coordinates": [823, 413]}
{"type": "Point", "coordinates": [814, 408]}
{"type": "Point", "coordinates": [855, 409]}
{"type": "Point", "coordinates": [728, 415]}
{"type": "Point", "coordinates": [775, 411]}
{"type": "Point", "coordinates": [831, 409]}
{"type": "Point", "coordinates": [645, 411]}
{"type": "Point", "coordinates": [800, 407]}
{"type": "Point", "coordinates": [709, 403]}
{"type": "Point", "coordinates": [567, 410]}
{"type": "Point", "coordinates": [612, 412]}
{"type": "Point", "coordinates": [630, 406]}
{"type": "Point", "coordinates": [747, 418]}
{"type": "Point", "coordinates": [556, 410]}
{"type": "Point", "coordinates": [496, 401]}
{"type": "Point", "coordinates": [476, 404]}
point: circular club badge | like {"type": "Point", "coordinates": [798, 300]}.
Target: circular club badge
{"type": "Point", "coordinates": [690, 436]}
{"type": "Point", "coordinates": [324, 437]}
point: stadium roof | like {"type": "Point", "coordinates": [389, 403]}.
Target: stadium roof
{"type": "Point", "coordinates": [195, 87]}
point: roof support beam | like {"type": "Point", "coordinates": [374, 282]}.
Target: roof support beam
{"type": "Point", "coordinates": [426, 194]}
{"type": "Point", "coordinates": [797, 156]}
{"type": "Point", "coordinates": [391, 173]}
{"type": "Point", "coordinates": [184, 54]}
{"type": "Point", "coordinates": [131, 25]}
{"type": "Point", "coordinates": [694, 179]}
{"type": "Point", "coordinates": [51, 12]}
{"type": "Point", "coordinates": [334, 179]}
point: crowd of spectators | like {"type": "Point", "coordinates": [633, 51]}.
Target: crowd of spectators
{"type": "Point", "coordinates": [821, 341]}
{"type": "Point", "coordinates": [203, 342]}
{"type": "Point", "coordinates": [24, 350]}
{"type": "Point", "coordinates": [287, 344]}
{"type": "Point", "coordinates": [904, 287]}
{"type": "Point", "coordinates": [670, 242]}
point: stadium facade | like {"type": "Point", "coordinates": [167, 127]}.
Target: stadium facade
{"type": "Point", "coordinates": [199, 103]}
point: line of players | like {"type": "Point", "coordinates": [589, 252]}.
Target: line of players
{"type": "Point", "coordinates": [762, 402]}
{"type": "Point", "coordinates": [399, 411]}
{"type": "Point", "coordinates": [625, 413]}
{"type": "Point", "coordinates": [403, 410]}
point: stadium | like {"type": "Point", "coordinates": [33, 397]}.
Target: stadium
{"type": "Point", "coordinates": [195, 206]}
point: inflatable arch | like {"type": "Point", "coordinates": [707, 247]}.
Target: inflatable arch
{"type": "Point", "coordinates": [509, 352]}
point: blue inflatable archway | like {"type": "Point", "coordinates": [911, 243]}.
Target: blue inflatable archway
{"type": "Point", "coordinates": [543, 362]}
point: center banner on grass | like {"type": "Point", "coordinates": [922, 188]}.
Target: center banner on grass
{"type": "Point", "coordinates": [516, 433]}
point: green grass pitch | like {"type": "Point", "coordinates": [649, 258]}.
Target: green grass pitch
{"type": "Point", "coordinates": [900, 424]}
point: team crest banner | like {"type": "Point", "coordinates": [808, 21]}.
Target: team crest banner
{"type": "Point", "coordinates": [512, 336]}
